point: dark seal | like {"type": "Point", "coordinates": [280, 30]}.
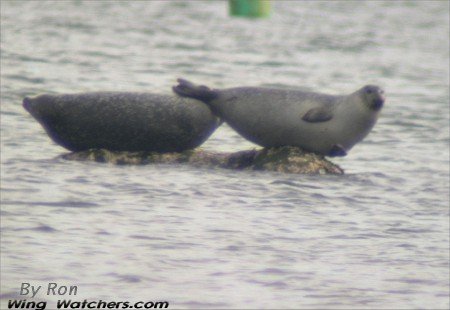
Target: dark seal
{"type": "Point", "coordinates": [123, 121]}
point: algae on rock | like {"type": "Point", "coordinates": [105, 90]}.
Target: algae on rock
{"type": "Point", "coordinates": [285, 159]}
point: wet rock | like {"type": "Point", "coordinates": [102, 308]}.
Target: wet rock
{"type": "Point", "coordinates": [283, 159]}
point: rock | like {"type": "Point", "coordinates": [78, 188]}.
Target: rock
{"type": "Point", "coordinates": [283, 159]}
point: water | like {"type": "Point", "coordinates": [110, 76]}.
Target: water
{"type": "Point", "coordinates": [377, 237]}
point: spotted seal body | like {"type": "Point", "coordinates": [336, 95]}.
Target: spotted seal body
{"type": "Point", "coordinates": [320, 123]}
{"type": "Point", "coordinates": [123, 121]}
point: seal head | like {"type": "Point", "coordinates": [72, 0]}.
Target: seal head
{"type": "Point", "coordinates": [373, 96]}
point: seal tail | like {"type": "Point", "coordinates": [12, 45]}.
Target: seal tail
{"type": "Point", "coordinates": [26, 103]}
{"type": "Point", "coordinates": [199, 92]}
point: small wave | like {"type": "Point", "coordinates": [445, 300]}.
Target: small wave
{"type": "Point", "coordinates": [127, 278]}
{"type": "Point", "coordinates": [415, 281]}
{"type": "Point", "coordinates": [64, 204]}
{"type": "Point", "coordinates": [10, 295]}
{"type": "Point", "coordinates": [101, 54]}
{"type": "Point", "coordinates": [205, 305]}
{"type": "Point", "coordinates": [25, 78]}
{"type": "Point", "coordinates": [272, 271]}
{"type": "Point", "coordinates": [143, 237]}
{"type": "Point", "coordinates": [408, 230]}
{"type": "Point", "coordinates": [41, 228]}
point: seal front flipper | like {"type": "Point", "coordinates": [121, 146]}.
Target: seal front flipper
{"type": "Point", "coordinates": [199, 92]}
{"type": "Point", "coordinates": [317, 115]}
{"type": "Point", "coordinates": [337, 151]}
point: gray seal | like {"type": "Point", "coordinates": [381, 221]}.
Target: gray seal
{"type": "Point", "coordinates": [324, 124]}
{"type": "Point", "coordinates": [123, 121]}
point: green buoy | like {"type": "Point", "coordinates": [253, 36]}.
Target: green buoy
{"type": "Point", "coordinates": [249, 8]}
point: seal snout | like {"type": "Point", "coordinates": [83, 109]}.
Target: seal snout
{"type": "Point", "coordinates": [374, 96]}
{"type": "Point", "coordinates": [378, 102]}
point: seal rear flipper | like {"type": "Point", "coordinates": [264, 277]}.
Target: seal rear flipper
{"type": "Point", "coordinates": [26, 103]}
{"type": "Point", "coordinates": [199, 92]}
{"type": "Point", "coordinates": [317, 115]}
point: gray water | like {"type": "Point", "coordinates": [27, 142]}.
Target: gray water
{"type": "Point", "coordinates": [377, 237]}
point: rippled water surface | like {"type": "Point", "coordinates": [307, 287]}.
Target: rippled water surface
{"type": "Point", "coordinates": [377, 237]}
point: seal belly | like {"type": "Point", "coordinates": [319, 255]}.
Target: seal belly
{"type": "Point", "coordinates": [275, 121]}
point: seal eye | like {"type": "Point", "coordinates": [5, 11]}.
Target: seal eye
{"type": "Point", "coordinates": [368, 91]}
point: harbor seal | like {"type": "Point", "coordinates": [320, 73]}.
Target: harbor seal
{"type": "Point", "coordinates": [123, 121]}
{"type": "Point", "coordinates": [324, 124]}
